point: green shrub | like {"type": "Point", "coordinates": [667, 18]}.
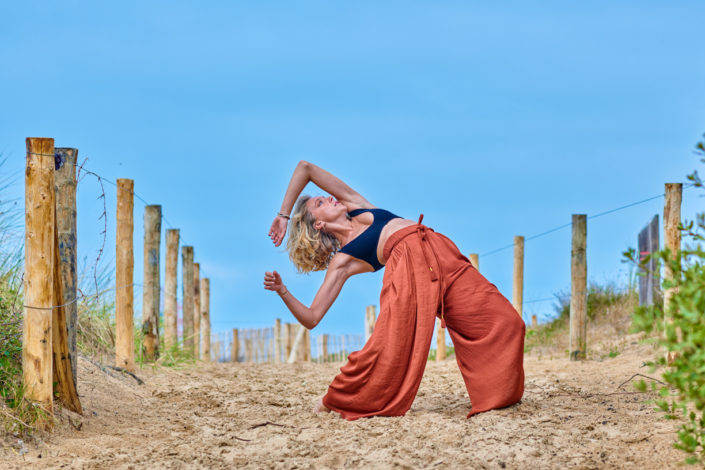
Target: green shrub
{"type": "Point", "coordinates": [684, 336]}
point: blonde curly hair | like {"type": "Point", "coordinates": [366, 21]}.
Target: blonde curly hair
{"type": "Point", "coordinates": [309, 249]}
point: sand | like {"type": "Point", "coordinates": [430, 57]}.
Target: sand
{"type": "Point", "coordinates": [573, 415]}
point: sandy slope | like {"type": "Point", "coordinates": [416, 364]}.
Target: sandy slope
{"type": "Point", "coordinates": [573, 415]}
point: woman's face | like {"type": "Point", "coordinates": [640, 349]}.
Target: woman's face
{"type": "Point", "coordinates": [325, 209]}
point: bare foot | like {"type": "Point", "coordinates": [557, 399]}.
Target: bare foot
{"type": "Point", "coordinates": [319, 407]}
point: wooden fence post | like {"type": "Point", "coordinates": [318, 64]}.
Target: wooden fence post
{"type": "Point", "coordinates": [236, 347]}
{"type": "Point", "coordinates": [205, 318]}
{"type": "Point", "coordinates": [672, 239]}
{"type": "Point", "coordinates": [270, 345]}
{"type": "Point", "coordinates": [370, 320]}
{"type": "Point", "coordinates": [62, 370]}
{"type": "Point", "coordinates": [187, 297]}
{"type": "Point", "coordinates": [324, 349]}
{"type": "Point", "coordinates": [248, 344]}
{"type": "Point", "coordinates": [197, 309]}
{"type": "Point", "coordinates": [475, 260]}
{"type": "Point", "coordinates": [296, 347]}
{"type": "Point", "coordinates": [124, 266]}
{"type": "Point", "coordinates": [578, 288]}
{"type": "Point", "coordinates": [65, 189]}
{"type": "Point", "coordinates": [440, 341]}
{"type": "Point", "coordinates": [277, 341]}
{"type": "Point", "coordinates": [172, 261]}
{"type": "Point", "coordinates": [39, 269]}
{"type": "Point", "coordinates": [518, 284]}
{"type": "Point", "coordinates": [534, 322]}
{"type": "Point", "coordinates": [289, 340]}
{"type": "Point", "coordinates": [307, 345]}
{"type": "Point", "coordinates": [152, 285]}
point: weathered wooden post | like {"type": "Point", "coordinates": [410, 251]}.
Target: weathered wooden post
{"type": "Point", "coordinates": [518, 284]}
{"type": "Point", "coordinates": [197, 309]}
{"type": "Point", "coordinates": [261, 337]}
{"type": "Point", "coordinates": [172, 261]}
{"type": "Point", "coordinates": [324, 349]}
{"type": "Point", "coordinates": [270, 345]}
{"type": "Point", "coordinates": [289, 327]}
{"type": "Point", "coordinates": [65, 189]}
{"type": "Point", "coordinates": [37, 369]}
{"type": "Point", "coordinates": [248, 343]}
{"type": "Point", "coordinates": [124, 267]}
{"type": "Point", "coordinates": [187, 285]}
{"type": "Point", "coordinates": [297, 346]}
{"type": "Point", "coordinates": [236, 347]}
{"type": "Point", "coordinates": [277, 341]}
{"type": "Point", "coordinates": [152, 284]}
{"type": "Point", "coordinates": [343, 356]}
{"type": "Point", "coordinates": [534, 322]}
{"type": "Point", "coordinates": [475, 260]}
{"type": "Point", "coordinates": [62, 370]}
{"type": "Point", "coordinates": [578, 289]}
{"type": "Point", "coordinates": [307, 345]}
{"type": "Point", "coordinates": [672, 239]}
{"type": "Point", "coordinates": [440, 341]}
{"type": "Point", "coordinates": [370, 319]}
{"type": "Point", "coordinates": [205, 318]}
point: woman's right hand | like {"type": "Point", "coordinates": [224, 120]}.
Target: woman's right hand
{"type": "Point", "coordinates": [278, 230]}
{"type": "Point", "coordinates": [273, 281]}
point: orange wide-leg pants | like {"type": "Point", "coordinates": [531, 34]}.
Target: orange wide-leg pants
{"type": "Point", "coordinates": [425, 276]}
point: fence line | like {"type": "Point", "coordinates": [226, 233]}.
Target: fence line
{"type": "Point", "coordinates": [50, 285]}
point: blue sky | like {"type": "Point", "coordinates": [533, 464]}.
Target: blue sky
{"type": "Point", "coordinates": [493, 120]}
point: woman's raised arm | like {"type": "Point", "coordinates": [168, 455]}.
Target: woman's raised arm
{"type": "Point", "coordinates": [305, 172]}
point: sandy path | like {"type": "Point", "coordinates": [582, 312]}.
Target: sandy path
{"type": "Point", "coordinates": [214, 415]}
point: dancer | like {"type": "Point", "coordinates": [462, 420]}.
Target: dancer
{"type": "Point", "coordinates": [426, 276]}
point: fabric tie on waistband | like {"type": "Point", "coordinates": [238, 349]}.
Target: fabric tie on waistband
{"type": "Point", "coordinates": [435, 276]}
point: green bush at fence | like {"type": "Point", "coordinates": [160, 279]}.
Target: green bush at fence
{"type": "Point", "coordinates": [684, 392]}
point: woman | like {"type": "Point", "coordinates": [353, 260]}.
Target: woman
{"type": "Point", "coordinates": [426, 276]}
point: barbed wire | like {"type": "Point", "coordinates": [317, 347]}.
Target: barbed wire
{"type": "Point", "coordinates": [58, 161]}
{"type": "Point", "coordinates": [610, 211]}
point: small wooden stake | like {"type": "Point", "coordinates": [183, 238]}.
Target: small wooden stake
{"type": "Point", "coordinates": [205, 318]}
{"type": "Point", "coordinates": [518, 284]}
{"type": "Point", "coordinates": [534, 321]}
{"type": "Point", "coordinates": [370, 320]}
{"type": "Point", "coordinates": [152, 285]}
{"type": "Point", "coordinates": [234, 356]}
{"type": "Point", "coordinates": [296, 347]}
{"type": "Point", "coordinates": [672, 239]}
{"type": "Point", "coordinates": [187, 297]}
{"type": "Point", "coordinates": [324, 349]}
{"type": "Point", "coordinates": [65, 188]}
{"type": "Point", "coordinates": [197, 309]}
{"type": "Point", "coordinates": [39, 271]}
{"type": "Point", "coordinates": [124, 266]}
{"type": "Point", "coordinates": [248, 344]}
{"type": "Point", "coordinates": [172, 261]}
{"type": "Point", "coordinates": [475, 260]}
{"type": "Point", "coordinates": [578, 288]}
{"type": "Point", "coordinates": [277, 341]}
{"type": "Point", "coordinates": [307, 345]}
{"type": "Point", "coordinates": [440, 341]}
{"type": "Point", "coordinates": [289, 327]}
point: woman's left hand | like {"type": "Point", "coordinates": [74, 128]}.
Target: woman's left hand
{"type": "Point", "coordinates": [273, 281]}
{"type": "Point", "coordinates": [278, 230]}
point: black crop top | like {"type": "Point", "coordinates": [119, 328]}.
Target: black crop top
{"type": "Point", "coordinates": [364, 246]}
